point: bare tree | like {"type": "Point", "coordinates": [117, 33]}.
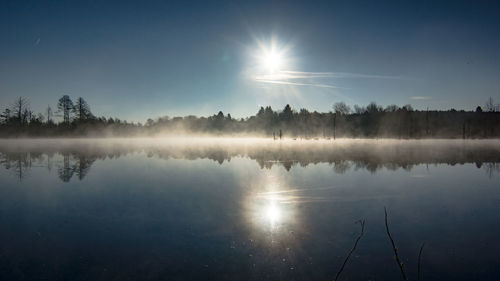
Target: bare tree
{"type": "Point", "coordinates": [49, 114]}
{"type": "Point", "coordinates": [391, 108]}
{"type": "Point", "coordinates": [20, 109]}
{"type": "Point", "coordinates": [373, 107]}
{"type": "Point", "coordinates": [341, 108]}
{"type": "Point", "coordinates": [407, 107]}
{"type": "Point", "coordinates": [362, 222]}
{"type": "Point", "coordinates": [491, 106]}
{"type": "Point", "coordinates": [396, 256]}
{"type": "Point", "coordinates": [359, 109]}
{"type": "Point", "coordinates": [334, 125]}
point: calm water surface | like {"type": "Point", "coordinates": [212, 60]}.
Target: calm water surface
{"type": "Point", "coordinates": [247, 209]}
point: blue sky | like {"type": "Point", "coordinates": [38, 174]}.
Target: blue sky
{"type": "Point", "coordinates": [136, 60]}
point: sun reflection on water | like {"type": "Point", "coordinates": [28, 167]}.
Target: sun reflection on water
{"type": "Point", "coordinates": [272, 213]}
{"type": "Point", "coordinates": [269, 208]}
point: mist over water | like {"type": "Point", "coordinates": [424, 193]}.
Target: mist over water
{"type": "Point", "coordinates": [239, 209]}
{"type": "Point", "coordinates": [341, 154]}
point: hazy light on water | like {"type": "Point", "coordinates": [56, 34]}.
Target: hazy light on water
{"type": "Point", "coordinates": [272, 213]}
{"type": "Point", "coordinates": [269, 211]}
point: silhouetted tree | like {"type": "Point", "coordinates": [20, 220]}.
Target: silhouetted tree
{"type": "Point", "coordinates": [287, 114]}
{"type": "Point", "coordinates": [491, 106]}
{"type": "Point", "coordinates": [373, 108]}
{"type": "Point", "coordinates": [341, 108]}
{"type": "Point", "coordinates": [340, 111]}
{"type": "Point", "coordinates": [65, 105]}
{"type": "Point", "coordinates": [82, 110]}
{"type": "Point", "coordinates": [49, 113]}
{"type": "Point", "coordinates": [369, 121]}
{"type": "Point", "coordinates": [359, 109]}
{"type": "Point", "coordinates": [20, 110]}
{"type": "Point", "coordinates": [6, 117]}
{"type": "Point", "coordinates": [391, 108]}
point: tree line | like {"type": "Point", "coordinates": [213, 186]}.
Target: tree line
{"type": "Point", "coordinates": [343, 121]}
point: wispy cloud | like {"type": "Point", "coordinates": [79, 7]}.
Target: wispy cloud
{"type": "Point", "coordinates": [297, 83]}
{"type": "Point", "coordinates": [37, 41]}
{"type": "Point", "coordinates": [420, 98]}
{"type": "Point", "coordinates": [303, 74]}
{"type": "Point", "coordinates": [303, 78]}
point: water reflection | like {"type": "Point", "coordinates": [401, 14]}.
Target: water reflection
{"type": "Point", "coordinates": [75, 157]}
{"type": "Point", "coordinates": [67, 164]}
{"type": "Point", "coordinates": [260, 217]}
{"type": "Point", "coordinates": [265, 204]}
{"type": "Point", "coordinates": [269, 213]}
{"type": "Point", "coordinates": [272, 213]}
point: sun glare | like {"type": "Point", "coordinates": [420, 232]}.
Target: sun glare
{"type": "Point", "coordinates": [272, 213]}
{"type": "Point", "coordinates": [271, 60]}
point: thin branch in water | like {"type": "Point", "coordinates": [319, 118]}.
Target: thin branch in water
{"type": "Point", "coordinates": [362, 222]}
{"type": "Point", "coordinates": [419, 261]}
{"type": "Point", "coordinates": [396, 256]}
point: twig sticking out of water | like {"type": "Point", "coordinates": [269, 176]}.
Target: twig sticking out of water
{"type": "Point", "coordinates": [419, 259]}
{"type": "Point", "coordinates": [396, 256]}
{"type": "Point", "coordinates": [362, 222]}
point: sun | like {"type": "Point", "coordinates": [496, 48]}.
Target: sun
{"type": "Point", "coordinates": [271, 60]}
{"type": "Point", "coordinates": [270, 57]}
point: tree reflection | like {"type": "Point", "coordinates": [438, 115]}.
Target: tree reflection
{"type": "Point", "coordinates": [492, 168]}
{"type": "Point", "coordinates": [82, 165]}
{"type": "Point", "coordinates": [77, 158]}
{"type": "Point", "coordinates": [20, 163]}
{"type": "Point", "coordinates": [65, 171]}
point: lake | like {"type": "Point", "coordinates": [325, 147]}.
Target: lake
{"type": "Point", "coordinates": [248, 209]}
